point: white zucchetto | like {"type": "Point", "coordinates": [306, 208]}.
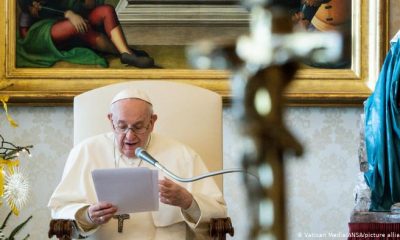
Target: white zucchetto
{"type": "Point", "coordinates": [131, 93]}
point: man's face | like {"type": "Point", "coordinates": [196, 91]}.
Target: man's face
{"type": "Point", "coordinates": [132, 122]}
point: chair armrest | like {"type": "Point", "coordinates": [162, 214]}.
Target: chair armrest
{"type": "Point", "coordinates": [61, 228]}
{"type": "Point", "coordinates": [219, 227]}
{"type": "Point", "coordinates": [64, 229]}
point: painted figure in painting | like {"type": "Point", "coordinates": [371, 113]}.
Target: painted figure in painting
{"type": "Point", "coordinates": [327, 15]}
{"type": "Point", "coordinates": [69, 30]}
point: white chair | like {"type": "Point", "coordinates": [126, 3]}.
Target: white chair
{"type": "Point", "coordinates": [187, 113]}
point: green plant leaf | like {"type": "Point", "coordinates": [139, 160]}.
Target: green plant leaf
{"type": "Point", "coordinates": [5, 221]}
{"type": "Point", "coordinates": [18, 228]}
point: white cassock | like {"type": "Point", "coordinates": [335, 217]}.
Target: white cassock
{"type": "Point", "coordinates": [76, 190]}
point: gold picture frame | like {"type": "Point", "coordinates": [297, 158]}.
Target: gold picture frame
{"type": "Point", "coordinates": [332, 87]}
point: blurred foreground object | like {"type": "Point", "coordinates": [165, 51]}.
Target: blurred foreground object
{"type": "Point", "coordinates": [263, 65]}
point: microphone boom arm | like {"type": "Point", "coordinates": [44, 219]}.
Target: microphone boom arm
{"type": "Point", "coordinates": [142, 154]}
{"type": "Point", "coordinates": [192, 179]}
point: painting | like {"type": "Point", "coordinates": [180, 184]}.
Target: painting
{"type": "Point", "coordinates": [58, 84]}
{"type": "Point", "coordinates": [73, 32]}
{"type": "Point", "coordinates": [117, 34]}
{"type": "Point", "coordinates": [353, 84]}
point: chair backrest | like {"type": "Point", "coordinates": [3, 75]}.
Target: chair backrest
{"type": "Point", "coordinates": [187, 113]}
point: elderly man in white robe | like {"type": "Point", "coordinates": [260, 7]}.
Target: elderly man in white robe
{"type": "Point", "coordinates": [185, 209]}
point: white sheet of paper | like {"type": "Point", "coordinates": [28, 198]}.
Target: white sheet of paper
{"type": "Point", "coordinates": [130, 189]}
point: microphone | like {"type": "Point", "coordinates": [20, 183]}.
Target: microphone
{"type": "Point", "coordinates": [142, 154]}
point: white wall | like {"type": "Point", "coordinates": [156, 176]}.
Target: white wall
{"type": "Point", "coordinates": [320, 183]}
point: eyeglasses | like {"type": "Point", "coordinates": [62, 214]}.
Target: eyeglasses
{"type": "Point", "coordinates": [124, 128]}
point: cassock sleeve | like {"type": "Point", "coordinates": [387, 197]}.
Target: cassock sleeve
{"type": "Point", "coordinates": [208, 198]}
{"type": "Point", "coordinates": [75, 190]}
{"type": "Point", "coordinates": [184, 162]}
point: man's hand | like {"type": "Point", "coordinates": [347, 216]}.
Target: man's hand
{"type": "Point", "coordinates": [101, 212]}
{"type": "Point", "coordinates": [173, 194]}
{"type": "Point", "coordinates": [77, 21]}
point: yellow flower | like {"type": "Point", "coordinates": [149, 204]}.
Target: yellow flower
{"type": "Point", "coordinates": [4, 100]}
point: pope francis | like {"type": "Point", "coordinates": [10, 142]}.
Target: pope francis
{"type": "Point", "coordinates": [184, 209]}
